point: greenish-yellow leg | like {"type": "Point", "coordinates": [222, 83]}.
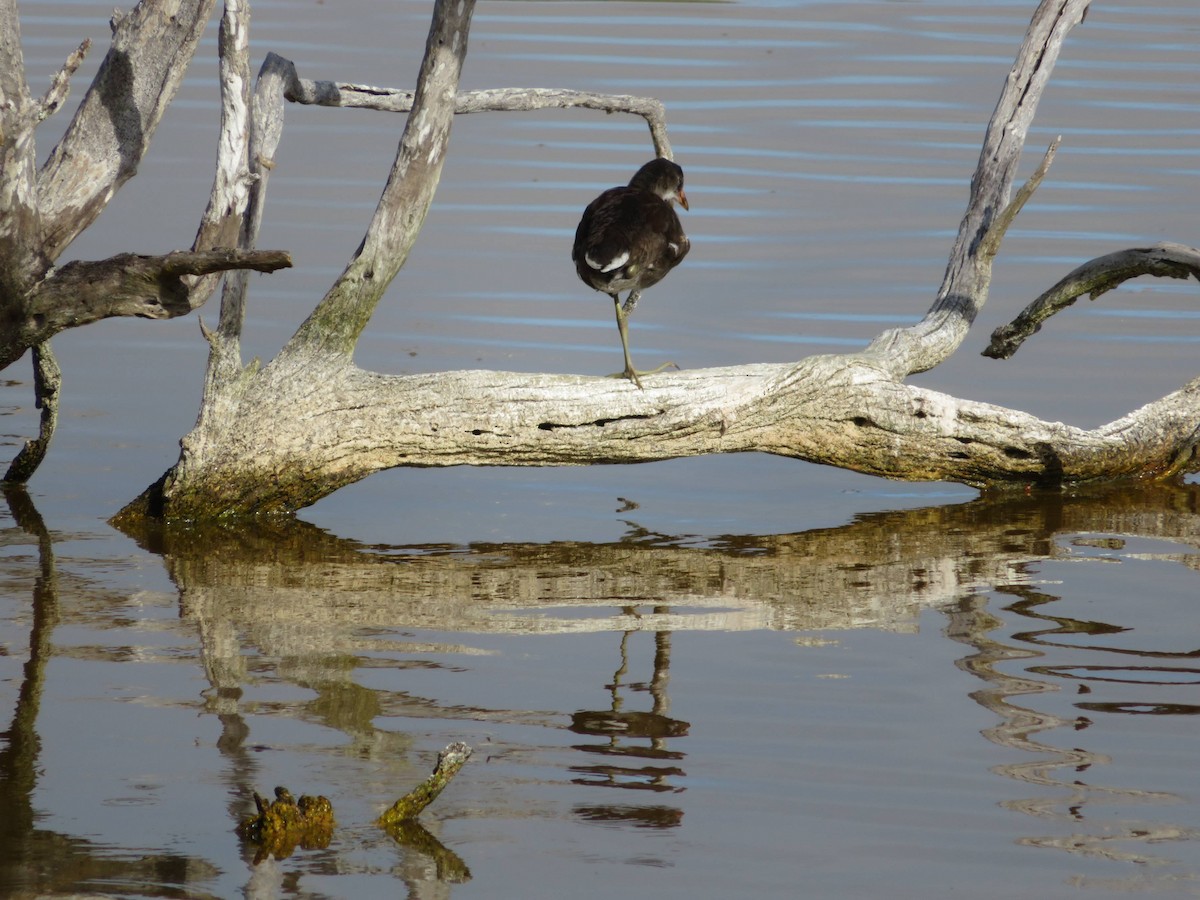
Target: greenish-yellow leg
{"type": "Point", "coordinates": [623, 326]}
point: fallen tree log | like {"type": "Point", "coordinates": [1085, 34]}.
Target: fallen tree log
{"type": "Point", "coordinates": [276, 438]}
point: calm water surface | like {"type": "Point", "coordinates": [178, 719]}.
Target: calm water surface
{"type": "Point", "coordinates": [719, 677]}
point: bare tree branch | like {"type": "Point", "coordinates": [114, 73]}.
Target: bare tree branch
{"type": "Point", "coordinates": [338, 320]}
{"type": "Point", "coordinates": [221, 224]}
{"type": "Point", "coordinates": [964, 289]}
{"type": "Point", "coordinates": [60, 84]}
{"type": "Point", "coordinates": [152, 287]}
{"type": "Point", "coordinates": [362, 96]}
{"type": "Point", "coordinates": [250, 130]}
{"type": "Point", "coordinates": [1096, 277]}
{"type": "Point", "coordinates": [41, 213]}
{"type": "Point", "coordinates": [47, 379]}
{"type": "Point", "coordinates": [990, 245]}
{"type": "Point", "coordinates": [21, 259]}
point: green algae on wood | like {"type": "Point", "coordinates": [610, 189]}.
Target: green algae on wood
{"type": "Point", "coordinates": [285, 823]}
{"type": "Point", "coordinates": [408, 807]}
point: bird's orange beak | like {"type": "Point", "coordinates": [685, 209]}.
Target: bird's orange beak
{"type": "Point", "coordinates": [682, 199]}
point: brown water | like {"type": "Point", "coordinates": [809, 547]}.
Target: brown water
{"type": "Point", "coordinates": [737, 676]}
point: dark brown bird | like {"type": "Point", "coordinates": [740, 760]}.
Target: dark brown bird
{"type": "Point", "coordinates": [629, 238]}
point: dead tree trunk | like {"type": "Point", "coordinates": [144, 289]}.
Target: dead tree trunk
{"type": "Point", "coordinates": [280, 437]}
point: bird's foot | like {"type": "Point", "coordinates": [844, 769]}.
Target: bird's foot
{"type": "Point", "coordinates": [634, 375]}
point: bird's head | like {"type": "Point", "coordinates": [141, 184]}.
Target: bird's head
{"type": "Point", "coordinates": [662, 177]}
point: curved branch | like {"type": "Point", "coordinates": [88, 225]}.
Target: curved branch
{"type": "Point", "coordinates": [338, 320]}
{"type": "Point", "coordinates": [47, 379]}
{"type": "Point", "coordinates": [363, 96]}
{"type": "Point", "coordinates": [1096, 277]}
{"type": "Point", "coordinates": [279, 80]}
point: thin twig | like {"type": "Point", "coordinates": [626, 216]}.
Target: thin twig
{"type": "Point", "coordinates": [60, 84]}
{"type": "Point", "coordinates": [513, 99]}
{"type": "Point", "coordinates": [990, 244]}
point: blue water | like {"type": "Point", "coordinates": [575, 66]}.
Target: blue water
{"type": "Point", "coordinates": [727, 676]}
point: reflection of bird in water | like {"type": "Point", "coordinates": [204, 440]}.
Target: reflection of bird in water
{"type": "Point", "coordinates": [625, 729]}
{"type": "Point", "coordinates": [629, 238]}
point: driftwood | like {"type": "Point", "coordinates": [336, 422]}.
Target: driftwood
{"type": "Point", "coordinates": [1093, 278]}
{"type": "Point", "coordinates": [278, 437]}
{"type": "Point", "coordinates": [43, 211]}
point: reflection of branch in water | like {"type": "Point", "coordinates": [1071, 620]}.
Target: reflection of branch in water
{"type": "Point", "coordinates": [37, 861]}
{"type": "Point", "coordinates": [1028, 607]}
{"type": "Point", "coordinates": [625, 729]}
{"type": "Point", "coordinates": [448, 866]}
{"type": "Point", "coordinates": [20, 743]}
{"type": "Point", "coordinates": [970, 624]}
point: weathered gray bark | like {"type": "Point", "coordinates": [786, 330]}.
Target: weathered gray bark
{"type": "Point", "coordinates": [43, 211]}
{"type": "Point", "coordinates": [47, 380]}
{"type": "Point", "coordinates": [281, 437]}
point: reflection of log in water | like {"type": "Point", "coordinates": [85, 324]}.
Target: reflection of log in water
{"type": "Point", "coordinates": [1054, 767]}
{"type": "Point", "coordinates": [295, 588]}
{"type": "Point", "coordinates": [315, 601]}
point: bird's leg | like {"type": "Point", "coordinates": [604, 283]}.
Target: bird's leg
{"type": "Point", "coordinates": [623, 326]}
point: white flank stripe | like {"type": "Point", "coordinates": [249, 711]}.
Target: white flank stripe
{"type": "Point", "coordinates": [613, 264]}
